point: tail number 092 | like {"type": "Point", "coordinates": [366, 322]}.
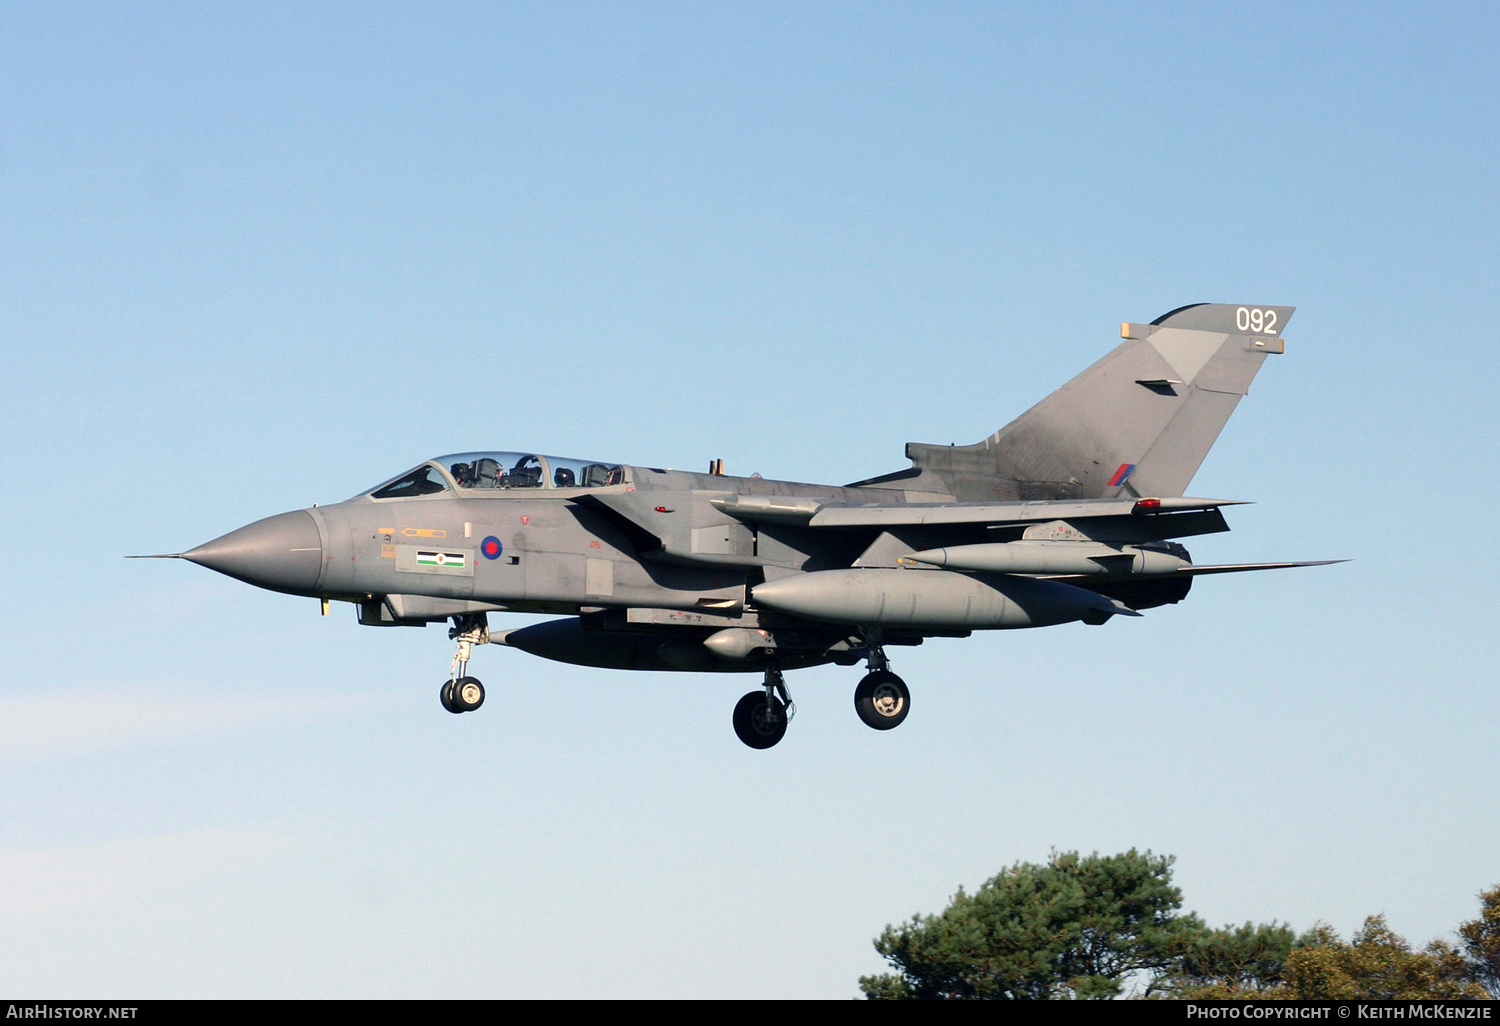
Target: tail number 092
{"type": "Point", "coordinates": [1254, 319]}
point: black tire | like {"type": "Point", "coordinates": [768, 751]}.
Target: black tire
{"type": "Point", "coordinates": [468, 694]}
{"type": "Point", "coordinates": [758, 722]}
{"type": "Point", "coordinates": [881, 700]}
{"type": "Point", "coordinates": [445, 695]}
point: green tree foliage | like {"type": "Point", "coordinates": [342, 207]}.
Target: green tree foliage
{"type": "Point", "coordinates": [1375, 964]}
{"type": "Point", "coordinates": [1088, 927]}
{"type": "Point", "coordinates": [1481, 942]}
{"type": "Point", "coordinates": [1235, 962]}
{"type": "Point", "coordinates": [1075, 927]}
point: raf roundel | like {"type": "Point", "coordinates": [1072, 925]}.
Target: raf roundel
{"type": "Point", "coordinates": [490, 547]}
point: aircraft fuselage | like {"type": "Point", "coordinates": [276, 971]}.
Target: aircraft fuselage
{"type": "Point", "coordinates": [1068, 514]}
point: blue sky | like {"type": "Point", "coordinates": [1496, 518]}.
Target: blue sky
{"type": "Point", "coordinates": [254, 257]}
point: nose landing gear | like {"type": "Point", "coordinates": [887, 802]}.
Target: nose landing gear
{"type": "Point", "coordinates": [461, 693]}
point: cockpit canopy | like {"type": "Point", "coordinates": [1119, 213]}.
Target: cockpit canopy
{"type": "Point", "coordinates": [468, 472]}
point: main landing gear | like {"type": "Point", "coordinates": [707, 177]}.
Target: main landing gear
{"type": "Point", "coordinates": [881, 700]}
{"type": "Point", "coordinates": [761, 717]}
{"type": "Point", "coordinates": [460, 693]}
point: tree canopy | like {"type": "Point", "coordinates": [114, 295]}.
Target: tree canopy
{"type": "Point", "coordinates": [1376, 964]}
{"type": "Point", "coordinates": [1234, 962]}
{"type": "Point", "coordinates": [1099, 926]}
{"type": "Point", "coordinates": [1481, 943]}
{"type": "Point", "coordinates": [1075, 927]}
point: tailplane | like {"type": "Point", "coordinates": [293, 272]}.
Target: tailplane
{"type": "Point", "coordinates": [1138, 422]}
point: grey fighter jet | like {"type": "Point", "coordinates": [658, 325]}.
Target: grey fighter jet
{"type": "Point", "coordinates": [1072, 512]}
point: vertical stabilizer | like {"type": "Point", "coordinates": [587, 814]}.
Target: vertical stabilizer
{"type": "Point", "coordinates": [1138, 422]}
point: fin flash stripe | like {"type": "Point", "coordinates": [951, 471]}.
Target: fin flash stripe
{"type": "Point", "coordinates": [1126, 469]}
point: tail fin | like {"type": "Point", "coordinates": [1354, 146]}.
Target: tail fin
{"type": "Point", "coordinates": [1138, 422]}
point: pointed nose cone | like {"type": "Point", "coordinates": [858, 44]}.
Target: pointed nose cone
{"type": "Point", "coordinates": [281, 553]}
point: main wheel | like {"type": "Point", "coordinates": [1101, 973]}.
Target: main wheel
{"type": "Point", "coordinates": [445, 695]}
{"type": "Point", "coordinates": [758, 721]}
{"type": "Point", "coordinates": [881, 700]}
{"type": "Point", "coordinates": [468, 694]}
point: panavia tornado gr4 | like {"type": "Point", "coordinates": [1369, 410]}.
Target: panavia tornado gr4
{"type": "Point", "coordinates": [1072, 512]}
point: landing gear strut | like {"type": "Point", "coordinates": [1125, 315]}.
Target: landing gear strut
{"type": "Point", "coordinates": [761, 717]}
{"type": "Point", "coordinates": [881, 699]}
{"type": "Point", "coordinates": [460, 693]}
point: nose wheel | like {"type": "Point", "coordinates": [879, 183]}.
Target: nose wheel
{"type": "Point", "coordinates": [461, 693]}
